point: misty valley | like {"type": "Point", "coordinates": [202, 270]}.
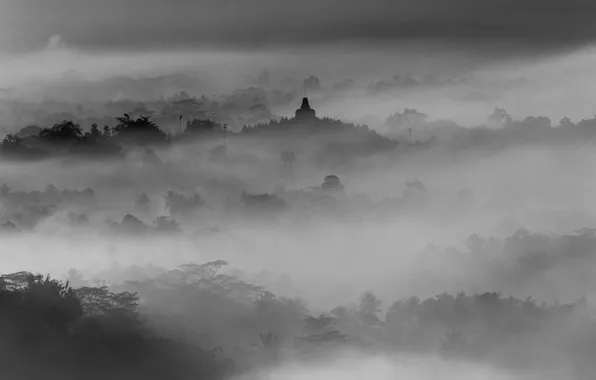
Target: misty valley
{"type": "Point", "coordinates": [214, 238]}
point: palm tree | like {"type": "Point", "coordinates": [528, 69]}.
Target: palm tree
{"type": "Point", "coordinates": [368, 307]}
{"type": "Point", "coordinates": [74, 277]}
{"type": "Point", "coordinates": [268, 341]}
{"type": "Point", "coordinates": [369, 303]}
{"type": "Point", "coordinates": [270, 345]}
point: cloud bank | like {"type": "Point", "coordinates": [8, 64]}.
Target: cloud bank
{"type": "Point", "coordinates": [241, 24]}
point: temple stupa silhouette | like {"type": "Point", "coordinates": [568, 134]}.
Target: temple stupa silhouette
{"type": "Point", "coordinates": [305, 112]}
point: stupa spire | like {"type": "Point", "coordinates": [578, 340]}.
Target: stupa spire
{"type": "Point", "coordinates": [305, 112]}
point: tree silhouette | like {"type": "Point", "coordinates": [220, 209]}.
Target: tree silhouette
{"type": "Point", "coordinates": [500, 117]}
{"type": "Point", "coordinates": [130, 225]}
{"type": "Point", "coordinates": [94, 135]}
{"type": "Point", "coordinates": [140, 131]}
{"type": "Point", "coordinates": [270, 344]}
{"type": "Point", "coordinates": [65, 132]}
{"type": "Point", "coordinates": [11, 140]}
{"type": "Point", "coordinates": [368, 307]}
{"type": "Point", "coordinates": [322, 331]}
{"type": "Point", "coordinates": [92, 332]}
{"type": "Point", "coordinates": [74, 278]}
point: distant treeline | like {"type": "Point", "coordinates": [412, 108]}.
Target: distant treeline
{"type": "Point", "coordinates": [331, 140]}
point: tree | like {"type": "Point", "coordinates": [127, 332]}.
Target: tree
{"type": "Point", "coordinates": [500, 117]}
{"type": "Point", "coordinates": [322, 330]}
{"type": "Point", "coordinates": [67, 131]}
{"type": "Point", "coordinates": [139, 131]}
{"type": "Point", "coordinates": [204, 271]}
{"type": "Point", "coordinates": [269, 340]}
{"type": "Point", "coordinates": [74, 277]}
{"type": "Point", "coordinates": [270, 343]}
{"type": "Point", "coordinates": [100, 301]}
{"type": "Point", "coordinates": [95, 132]}
{"type": "Point", "coordinates": [44, 306]}
{"type": "Point", "coordinates": [11, 139]}
{"type": "Point", "coordinates": [56, 332]}
{"type": "Point", "coordinates": [369, 303]}
{"type": "Point", "coordinates": [130, 225]}
{"type": "Point", "coordinates": [12, 144]}
{"type": "Point", "coordinates": [566, 123]}
{"type": "Point", "coordinates": [368, 307]}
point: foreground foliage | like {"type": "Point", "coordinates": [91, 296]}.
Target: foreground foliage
{"type": "Point", "coordinates": [49, 330]}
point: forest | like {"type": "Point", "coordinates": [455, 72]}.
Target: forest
{"type": "Point", "coordinates": [151, 325]}
{"type": "Point", "coordinates": [220, 251]}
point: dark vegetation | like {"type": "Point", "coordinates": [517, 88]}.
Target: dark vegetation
{"type": "Point", "coordinates": [337, 142]}
{"type": "Point", "coordinates": [50, 330]}
{"type": "Point", "coordinates": [199, 321]}
{"type": "Point", "coordinates": [68, 138]}
{"type": "Point", "coordinates": [153, 324]}
{"type": "Point", "coordinates": [329, 142]}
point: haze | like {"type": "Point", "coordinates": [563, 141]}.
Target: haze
{"type": "Point", "coordinates": [295, 190]}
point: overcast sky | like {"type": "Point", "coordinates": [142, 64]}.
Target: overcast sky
{"type": "Point", "coordinates": [110, 25]}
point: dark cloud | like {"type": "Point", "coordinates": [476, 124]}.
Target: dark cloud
{"type": "Point", "coordinates": [171, 24]}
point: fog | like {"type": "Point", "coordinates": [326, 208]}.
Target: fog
{"type": "Point", "coordinates": [375, 252]}
{"type": "Point", "coordinates": [555, 85]}
{"type": "Point", "coordinates": [352, 365]}
{"type": "Point", "coordinates": [452, 236]}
